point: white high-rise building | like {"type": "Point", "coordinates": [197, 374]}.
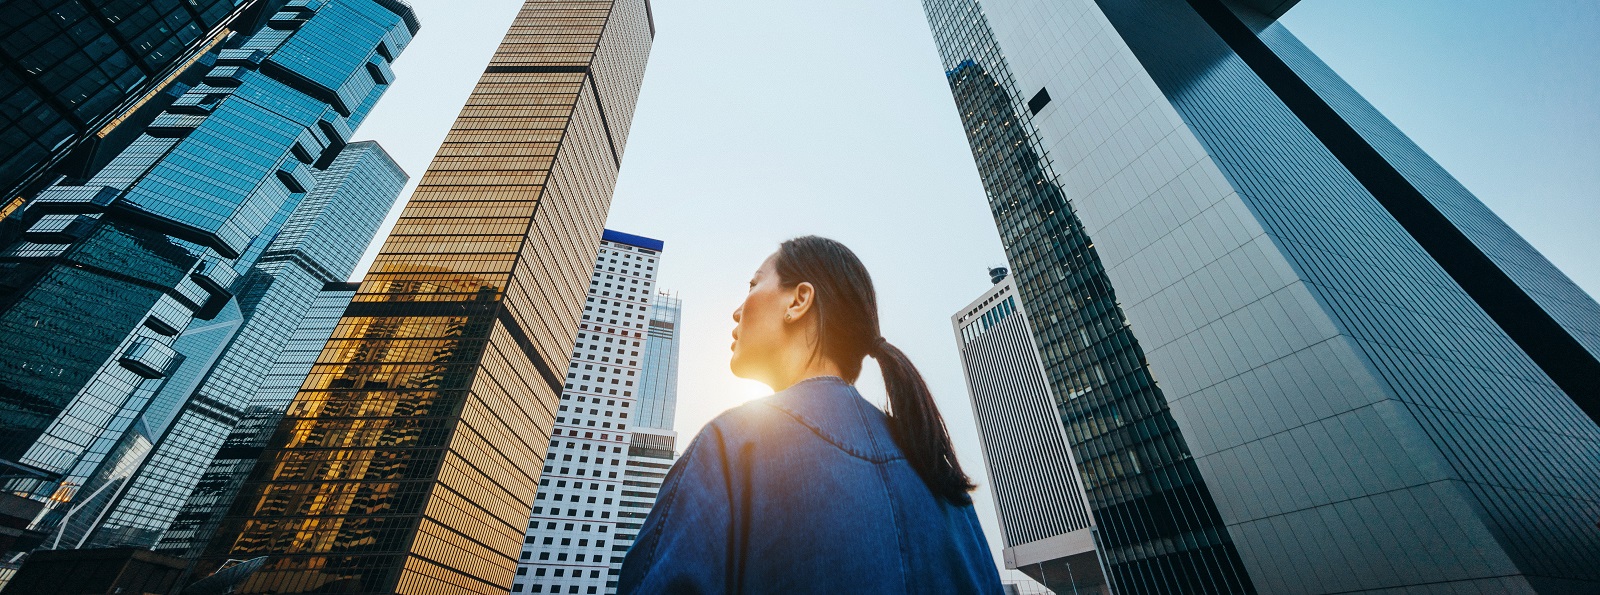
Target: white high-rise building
{"type": "Point", "coordinates": [605, 464]}
{"type": "Point", "coordinates": [1044, 518]}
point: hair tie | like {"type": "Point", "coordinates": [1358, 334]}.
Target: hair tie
{"type": "Point", "coordinates": [881, 345]}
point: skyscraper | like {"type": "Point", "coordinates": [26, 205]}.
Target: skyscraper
{"type": "Point", "coordinates": [572, 539]}
{"type": "Point", "coordinates": [658, 393]}
{"type": "Point", "coordinates": [75, 72]}
{"type": "Point", "coordinates": [1044, 518]}
{"type": "Point", "coordinates": [191, 528]}
{"type": "Point", "coordinates": [1291, 352]}
{"type": "Point", "coordinates": [162, 235]}
{"type": "Point", "coordinates": [409, 459]}
{"type": "Point", "coordinates": [319, 244]}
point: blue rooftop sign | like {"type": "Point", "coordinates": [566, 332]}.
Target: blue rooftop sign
{"type": "Point", "coordinates": [632, 240]}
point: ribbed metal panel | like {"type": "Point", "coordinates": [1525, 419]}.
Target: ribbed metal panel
{"type": "Point", "coordinates": [1036, 489]}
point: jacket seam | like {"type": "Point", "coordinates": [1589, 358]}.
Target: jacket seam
{"type": "Point", "coordinates": [869, 457]}
{"type": "Point", "coordinates": [894, 508]}
{"type": "Point", "coordinates": [894, 517]}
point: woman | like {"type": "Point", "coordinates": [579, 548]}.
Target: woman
{"type": "Point", "coordinates": [814, 490]}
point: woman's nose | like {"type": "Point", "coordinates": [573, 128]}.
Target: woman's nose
{"type": "Point", "coordinates": [736, 313]}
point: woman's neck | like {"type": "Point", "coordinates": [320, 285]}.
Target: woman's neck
{"type": "Point", "coordinates": [819, 366]}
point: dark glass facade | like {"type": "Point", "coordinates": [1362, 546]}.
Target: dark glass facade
{"type": "Point", "coordinates": [319, 244]}
{"type": "Point", "coordinates": [1364, 380]}
{"type": "Point", "coordinates": [163, 234]}
{"type": "Point", "coordinates": [198, 349]}
{"type": "Point", "coordinates": [409, 459]}
{"type": "Point", "coordinates": [74, 70]}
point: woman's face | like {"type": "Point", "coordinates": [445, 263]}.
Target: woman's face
{"type": "Point", "coordinates": [759, 332]}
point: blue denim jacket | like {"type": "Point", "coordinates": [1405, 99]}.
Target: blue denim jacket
{"type": "Point", "coordinates": [805, 492]}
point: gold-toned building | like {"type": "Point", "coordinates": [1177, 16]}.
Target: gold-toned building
{"type": "Point", "coordinates": [409, 459]}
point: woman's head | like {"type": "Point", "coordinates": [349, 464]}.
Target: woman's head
{"type": "Point", "coordinates": [811, 308]}
{"type": "Point", "coordinates": [811, 303]}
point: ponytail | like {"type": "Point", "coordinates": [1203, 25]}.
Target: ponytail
{"type": "Point", "coordinates": [917, 427]}
{"type": "Point", "coordinates": [847, 329]}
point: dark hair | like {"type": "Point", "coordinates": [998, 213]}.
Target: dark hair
{"type": "Point", "coordinates": [846, 308]}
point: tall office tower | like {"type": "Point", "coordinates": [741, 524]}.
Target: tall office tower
{"type": "Point", "coordinates": [319, 244]}
{"type": "Point", "coordinates": [110, 272]}
{"type": "Point", "coordinates": [1044, 517]}
{"type": "Point", "coordinates": [1292, 354]}
{"type": "Point", "coordinates": [76, 73]}
{"type": "Point", "coordinates": [200, 514]}
{"type": "Point", "coordinates": [658, 392]}
{"type": "Point", "coordinates": [409, 460]}
{"type": "Point", "coordinates": [571, 534]}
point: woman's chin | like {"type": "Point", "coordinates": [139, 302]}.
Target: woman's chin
{"type": "Point", "coordinates": [739, 367]}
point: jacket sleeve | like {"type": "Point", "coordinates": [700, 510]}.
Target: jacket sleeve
{"type": "Point", "coordinates": [690, 541]}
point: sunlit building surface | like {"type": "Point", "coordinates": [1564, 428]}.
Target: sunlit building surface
{"type": "Point", "coordinates": [1044, 519]}
{"type": "Point", "coordinates": [409, 459]}
{"type": "Point", "coordinates": [319, 244]}
{"type": "Point", "coordinates": [575, 534]}
{"type": "Point", "coordinates": [1290, 352]}
{"type": "Point", "coordinates": [109, 273]}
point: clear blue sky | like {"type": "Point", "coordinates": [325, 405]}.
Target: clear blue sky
{"type": "Point", "coordinates": [759, 121]}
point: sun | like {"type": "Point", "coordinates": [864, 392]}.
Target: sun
{"type": "Point", "coordinates": [748, 390]}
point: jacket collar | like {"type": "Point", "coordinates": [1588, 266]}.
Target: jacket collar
{"type": "Point", "coordinates": [835, 412]}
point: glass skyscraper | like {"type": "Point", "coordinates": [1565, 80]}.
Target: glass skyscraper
{"type": "Point", "coordinates": [191, 528]}
{"type": "Point", "coordinates": [1044, 518]}
{"type": "Point", "coordinates": [319, 244]}
{"type": "Point", "coordinates": [658, 392]}
{"type": "Point", "coordinates": [409, 459]}
{"type": "Point", "coordinates": [1291, 353]}
{"type": "Point", "coordinates": [162, 235]}
{"type": "Point", "coordinates": [74, 71]}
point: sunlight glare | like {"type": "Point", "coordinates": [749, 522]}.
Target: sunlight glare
{"type": "Point", "coordinates": [749, 390]}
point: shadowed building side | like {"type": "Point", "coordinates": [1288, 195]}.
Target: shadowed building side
{"type": "Point", "coordinates": [79, 79]}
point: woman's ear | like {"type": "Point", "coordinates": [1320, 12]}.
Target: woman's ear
{"type": "Point", "coordinates": [800, 301]}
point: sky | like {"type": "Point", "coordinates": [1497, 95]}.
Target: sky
{"type": "Point", "coordinates": [761, 121]}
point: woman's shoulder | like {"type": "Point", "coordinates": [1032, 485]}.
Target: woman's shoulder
{"type": "Point", "coordinates": [822, 411]}
{"type": "Point", "coordinates": [770, 420]}
{"type": "Point", "coordinates": [756, 417]}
